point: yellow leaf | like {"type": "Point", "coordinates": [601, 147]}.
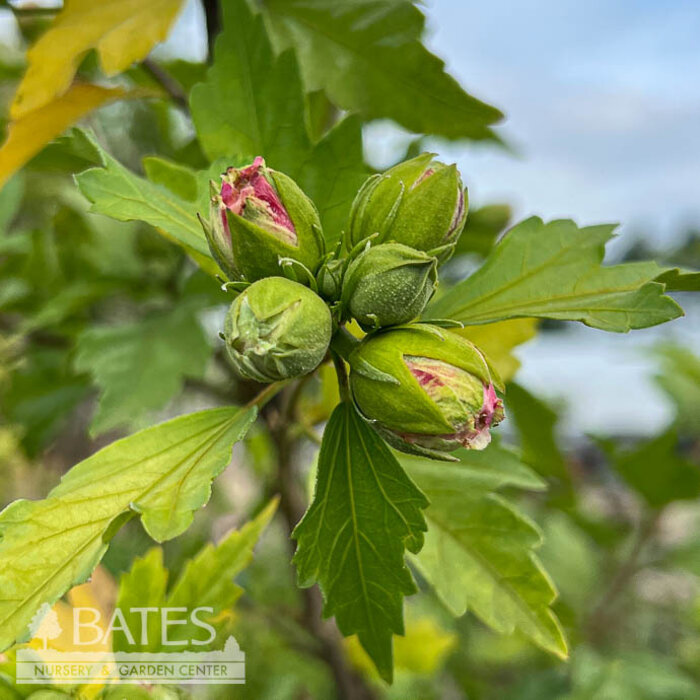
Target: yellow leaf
{"type": "Point", "coordinates": [122, 32]}
{"type": "Point", "coordinates": [28, 135]}
{"type": "Point", "coordinates": [425, 647]}
{"type": "Point", "coordinates": [423, 650]}
{"type": "Point", "coordinates": [497, 340]}
{"type": "Point", "coordinates": [98, 595]}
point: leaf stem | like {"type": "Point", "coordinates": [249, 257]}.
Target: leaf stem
{"type": "Point", "coordinates": [342, 374]}
{"type": "Point", "coordinates": [344, 342]}
{"type": "Point", "coordinates": [167, 82]}
{"type": "Point", "coordinates": [265, 395]}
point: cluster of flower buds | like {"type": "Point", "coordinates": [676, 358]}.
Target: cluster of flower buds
{"type": "Point", "coordinates": [425, 390]}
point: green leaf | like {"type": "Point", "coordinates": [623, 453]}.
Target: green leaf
{"type": "Point", "coordinates": [368, 57]}
{"type": "Point", "coordinates": [478, 552]}
{"type": "Point", "coordinates": [65, 303]}
{"type": "Point", "coordinates": [640, 675]}
{"type": "Point", "coordinates": [179, 179]}
{"type": "Point", "coordinates": [657, 470]}
{"type": "Point", "coordinates": [206, 581]}
{"type": "Point", "coordinates": [117, 192]}
{"type": "Point", "coordinates": [41, 396]}
{"type": "Point", "coordinates": [536, 423]}
{"type": "Point", "coordinates": [482, 470]}
{"type": "Point", "coordinates": [140, 366]}
{"type": "Point", "coordinates": [252, 101]}
{"type": "Point", "coordinates": [143, 586]}
{"type": "Point", "coordinates": [70, 153]}
{"type": "Point", "coordinates": [163, 473]}
{"type": "Point", "coordinates": [364, 514]}
{"type": "Point", "coordinates": [483, 227]}
{"type": "Point", "coordinates": [679, 377]}
{"type": "Point", "coordinates": [554, 271]}
{"type": "Point", "coordinates": [333, 173]}
{"type": "Point", "coordinates": [680, 280]}
{"type": "Point", "coordinates": [573, 559]}
{"type": "Point", "coordinates": [10, 201]}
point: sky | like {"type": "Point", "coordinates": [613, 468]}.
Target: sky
{"type": "Point", "coordinates": [602, 101]}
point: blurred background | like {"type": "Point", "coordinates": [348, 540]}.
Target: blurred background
{"type": "Point", "coordinates": [603, 105]}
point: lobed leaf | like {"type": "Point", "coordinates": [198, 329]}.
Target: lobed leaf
{"type": "Point", "coordinates": [478, 551]}
{"type": "Point", "coordinates": [140, 366]}
{"type": "Point", "coordinates": [163, 473]}
{"type": "Point", "coordinates": [252, 101]}
{"type": "Point", "coordinates": [364, 514]}
{"type": "Point", "coordinates": [332, 174]}
{"type": "Point", "coordinates": [117, 192]}
{"type": "Point", "coordinates": [554, 271]}
{"type": "Point", "coordinates": [657, 470]}
{"type": "Point", "coordinates": [680, 280]}
{"type": "Point", "coordinates": [535, 423]}
{"type": "Point", "coordinates": [368, 57]}
{"type": "Point", "coordinates": [206, 581]}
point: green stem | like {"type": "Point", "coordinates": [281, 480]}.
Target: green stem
{"type": "Point", "coordinates": [343, 342]}
{"type": "Point", "coordinates": [342, 374]}
{"type": "Point", "coordinates": [265, 395]}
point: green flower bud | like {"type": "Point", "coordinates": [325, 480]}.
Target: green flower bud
{"type": "Point", "coordinates": [420, 203]}
{"type": "Point", "coordinates": [388, 285]}
{"type": "Point", "coordinates": [259, 216]}
{"type": "Point", "coordinates": [425, 390]}
{"type": "Point", "coordinates": [330, 279]}
{"type": "Point", "coordinates": [277, 329]}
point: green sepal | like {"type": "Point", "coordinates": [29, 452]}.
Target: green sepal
{"type": "Point", "coordinates": [387, 285]}
{"type": "Point", "coordinates": [420, 203]}
{"type": "Point", "coordinates": [298, 272]}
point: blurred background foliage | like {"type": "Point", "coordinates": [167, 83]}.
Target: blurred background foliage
{"type": "Point", "coordinates": [97, 340]}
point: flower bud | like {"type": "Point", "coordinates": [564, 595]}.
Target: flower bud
{"type": "Point", "coordinates": [330, 279]}
{"type": "Point", "coordinates": [420, 203]}
{"type": "Point", "coordinates": [388, 285]}
{"type": "Point", "coordinates": [277, 329]}
{"type": "Point", "coordinates": [426, 391]}
{"type": "Point", "coordinates": [258, 216]}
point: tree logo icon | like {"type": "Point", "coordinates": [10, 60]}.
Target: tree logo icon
{"type": "Point", "coordinates": [45, 625]}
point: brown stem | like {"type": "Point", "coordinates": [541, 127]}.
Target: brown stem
{"type": "Point", "coordinates": [212, 12]}
{"type": "Point", "coordinates": [628, 568]}
{"type": "Point", "coordinates": [167, 82]}
{"type": "Point", "coordinates": [350, 685]}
